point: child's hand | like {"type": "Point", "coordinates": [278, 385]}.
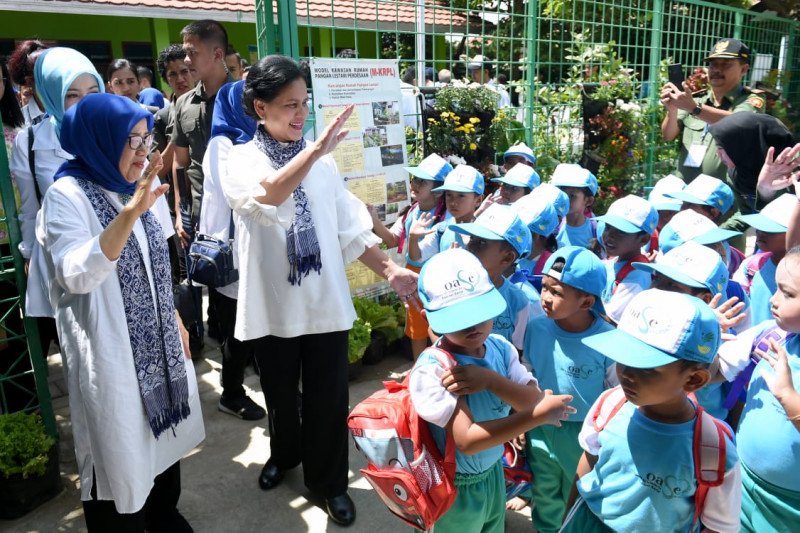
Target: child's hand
{"type": "Point", "coordinates": [467, 379]}
{"type": "Point", "coordinates": [553, 408]}
{"type": "Point", "coordinates": [485, 204]}
{"type": "Point", "coordinates": [730, 314]}
{"type": "Point", "coordinates": [780, 381]}
{"type": "Point", "coordinates": [421, 226]}
{"type": "Point", "coordinates": [519, 441]}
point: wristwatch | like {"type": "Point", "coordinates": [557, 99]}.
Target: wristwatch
{"type": "Point", "coordinates": [697, 110]}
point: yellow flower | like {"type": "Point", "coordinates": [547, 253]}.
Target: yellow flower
{"type": "Point", "coordinates": [473, 146]}
{"type": "Point", "coordinates": [444, 114]}
{"type": "Point", "coordinates": [474, 120]}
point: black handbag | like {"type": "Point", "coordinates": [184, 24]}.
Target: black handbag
{"type": "Point", "coordinates": [210, 261]}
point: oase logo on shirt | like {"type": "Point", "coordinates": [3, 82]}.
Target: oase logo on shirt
{"type": "Point", "coordinates": [582, 371]}
{"type": "Point", "coordinates": [668, 486]}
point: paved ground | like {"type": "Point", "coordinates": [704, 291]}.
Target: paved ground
{"type": "Point", "coordinates": [220, 488]}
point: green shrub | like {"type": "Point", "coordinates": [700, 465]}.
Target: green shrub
{"type": "Point", "coordinates": [382, 318]}
{"type": "Point", "coordinates": [358, 340]}
{"type": "Point", "coordinates": [23, 445]}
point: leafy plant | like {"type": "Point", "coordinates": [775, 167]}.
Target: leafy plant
{"type": "Point", "coordinates": [24, 445]}
{"type": "Point", "coordinates": [358, 340]}
{"type": "Point", "coordinates": [381, 318]}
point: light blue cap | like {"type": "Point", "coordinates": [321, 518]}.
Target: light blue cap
{"type": "Point", "coordinates": [572, 175]}
{"type": "Point", "coordinates": [456, 291]}
{"type": "Point", "coordinates": [520, 175]}
{"type": "Point", "coordinates": [631, 214]}
{"type": "Point", "coordinates": [521, 150]}
{"type": "Point", "coordinates": [499, 223]}
{"type": "Point", "coordinates": [691, 264]}
{"type": "Point", "coordinates": [667, 184]}
{"type": "Point", "coordinates": [706, 190]}
{"type": "Point", "coordinates": [432, 168]}
{"type": "Point", "coordinates": [658, 328]}
{"type": "Point", "coordinates": [689, 225]}
{"type": "Point", "coordinates": [539, 214]}
{"type": "Point", "coordinates": [463, 178]}
{"type": "Point", "coordinates": [553, 195]}
{"type": "Point", "coordinates": [582, 270]}
{"type": "Point", "coordinates": [776, 215]}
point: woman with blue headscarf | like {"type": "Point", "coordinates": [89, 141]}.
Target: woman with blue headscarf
{"type": "Point", "coordinates": [229, 126]}
{"type": "Point", "coordinates": [133, 398]}
{"type": "Point", "coordinates": [62, 77]}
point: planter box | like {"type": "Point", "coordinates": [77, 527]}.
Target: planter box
{"type": "Point", "coordinates": [20, 496]}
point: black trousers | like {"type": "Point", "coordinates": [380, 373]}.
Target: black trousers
{"type": "Point", "coordinates": [235, 353]}
{"type": "Point", "coordinates": [320, 442]}
{"type": "Point", "coordinates": [159, 514]}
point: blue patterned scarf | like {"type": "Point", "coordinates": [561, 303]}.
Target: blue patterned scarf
{"type": "Point", "coordinates": [153, 331]}
{"type": "Point", "coordinates": [302, 246]}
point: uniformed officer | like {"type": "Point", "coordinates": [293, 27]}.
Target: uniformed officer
{"type": "Point", "coordinates": [689, 115]}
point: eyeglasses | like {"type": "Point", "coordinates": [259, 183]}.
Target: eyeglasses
{"type": "Point", "coordinates": [137, 141]}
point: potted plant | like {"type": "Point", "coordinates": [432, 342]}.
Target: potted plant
{"type": "Point", "coordinates": [357, 343]}
{"type": "Point", "coordinates": [386, 328]}
{"type": "Point", "coordinates": [29, 464]}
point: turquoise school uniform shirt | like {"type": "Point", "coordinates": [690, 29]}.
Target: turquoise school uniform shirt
{"type": "Point", "coordinates": [511, 323]}
{"type": "Point", "coordinates": [644, 477]}
{"type": "Point", "coordinates": [563, 364]}
{"type": "Point", "coordinates": [712, 398]}
{"type": "Point", "coordinates": [576, 235]}
{"type": "Point", "coordinates": [436, 405]}
{"type": "Point", "coordinates": [412, 217]}
{"type": "Point", "coordinates": [635, 282]}
{"type": "Point", "coordinates": [768, 443]}
{"type": "Point", "coordinates": [762, 288]}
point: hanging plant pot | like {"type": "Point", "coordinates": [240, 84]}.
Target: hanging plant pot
{"type": "Point", "coordinates": [19, 496]}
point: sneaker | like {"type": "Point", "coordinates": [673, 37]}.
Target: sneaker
{"type": "Point", "coordinates": [243, 407]}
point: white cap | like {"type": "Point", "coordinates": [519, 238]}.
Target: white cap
{"type": "Point", "coordinates": [667, 184]}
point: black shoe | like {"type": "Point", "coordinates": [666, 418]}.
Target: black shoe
{"type": "Point", "coordinates": [341, 509]}
{"type": "Point", "coordinates": [271, 476]}
{"type": "Point", "coordinates": [243, 407]}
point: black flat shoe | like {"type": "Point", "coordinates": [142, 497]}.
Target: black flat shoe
{"type": "Point", "coordinates": [341, 509]}
{"type": "Point", "coordinates": [271, 476]}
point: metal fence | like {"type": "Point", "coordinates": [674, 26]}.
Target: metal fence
{"type": "Point", "coordinates": [554, 53]}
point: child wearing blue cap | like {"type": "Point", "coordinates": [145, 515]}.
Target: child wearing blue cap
{"type": "Point", "coordinates": [571, 287]}
{"type": "Point", "coordinates": [629, 223]}
{"type": "Point", "coordinates": [666, 206]}
{"type": "Point", "coordinates": [769, 433]}
{"type": "Point", "coordinates": [581, 187]}
{"type": "Point", "coordinates": [519, 153]}
{"type": "Point", "coordinates": [757, 272]}
{"type": "Point", "coordinates": [426, 176]}
{"type": "Point", "coordinates": [636, 473]}
{"type": "Point", "coordinates": [463, 191]}
{"type": "Point", "coordinates": [706, 195]}
{"type": "Point", "coordinates": [516, 183]}
{"type": "Point", "coordinates": [498, 238]}
{"type": "Point", "coordinates": [698, 271]}
{"type": "Point", "coordinates": [472, 400]}
{"type": "Point", "coordinates": [555, 196]}
{"type": "Point", "coordinates": [542, 219]}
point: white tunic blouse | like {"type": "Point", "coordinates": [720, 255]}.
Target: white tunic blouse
{"type": "Point", "coordinates": [268, 303]}
{"type": "Point", "coordinates": [109, 425]}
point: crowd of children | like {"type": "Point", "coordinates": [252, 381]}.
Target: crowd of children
{"type": "Point", "coordinates": [648, 370]}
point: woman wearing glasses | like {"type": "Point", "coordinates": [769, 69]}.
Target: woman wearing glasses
{"type": "Point", "coordinates": [133, 396]}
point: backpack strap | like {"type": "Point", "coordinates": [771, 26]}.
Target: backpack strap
{"type": "Point", "coordinates": [611, 401]}
{"type": "Point", "coordinates": [626, 269]}
{"type": "Point", "coordinates": [32, 165]}
{"type": "Point", "coordinates": [743, 379]}
{"type": "Point", "coordinates": [654, 241]}
{"type": "Point", "coordinates": [709, 449]}
{"type": "Point", "coordinates": [401, 240]}
{"type": "Point", "coordinates": [447, 361]}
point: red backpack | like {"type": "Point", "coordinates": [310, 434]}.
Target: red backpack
{"type": "Point", "coordinates": [708, 445]}
{"type": "Point", "coordinates": [626, 269]}
{"type": "Point", "coordinates": [405, 466]}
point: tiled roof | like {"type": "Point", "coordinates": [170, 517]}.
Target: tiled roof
{"type": "Point", "coordinates": [350, 13]}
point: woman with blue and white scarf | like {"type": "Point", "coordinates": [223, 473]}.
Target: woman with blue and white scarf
{"type": "Point", "coordinates": [297, 228]}
{"type": "Point", "coordinates": [133, 398]}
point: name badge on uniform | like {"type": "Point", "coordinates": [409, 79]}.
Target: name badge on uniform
{"type": "Point", "coordinates": [697, 152]}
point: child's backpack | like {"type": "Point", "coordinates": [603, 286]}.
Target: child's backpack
{"type": "Point", "coordinates": [708, 447]}
{"type": "Point", "coordinates": [516, 471]}
{"type": "Point", "coordinates": [752, 265]}
{"type": "Point", "coordinates": [405, 466]}
{"type": "Point", "coordinates": [626, 269]}
{"type": "Point", "coordinates": [740, 383]}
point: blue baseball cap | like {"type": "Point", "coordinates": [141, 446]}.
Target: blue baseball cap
{"type": "Point", "coordinates": [658, 328]}
{"type": "Point", "coordinates": [691, 226]}
{"type": "Point", "coordinates": [520, 175]}
{"type": "Point", "coordinates": [774, 218]}
{"type": "Point", "coordinates": [552, 194]}
{"type": "Point", "coordinates": [572, 175]}
{"type": "Point", "coordinates": [539, 214]}
{"type": "Point", "coordinates": [432, 168]}
{"type": "Point", "coordinates": [463, 178]}
{"type": "Point", "coordinates": [706, 190]}
{"type": "Point", "coordinates": [522, 150]}
{"type": "Point", "coordinates": [582, 270]}
{"type": "Point", "coordinates": [691, 264]}
{"type": "Point", "coordinates": [631, 214]}
{"type": "Point", "coordinates": [499, 223]}
{"type": "Point", "coordinates": [456, 291]}
{"type": "Point", "coordinates": [667, 184]}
